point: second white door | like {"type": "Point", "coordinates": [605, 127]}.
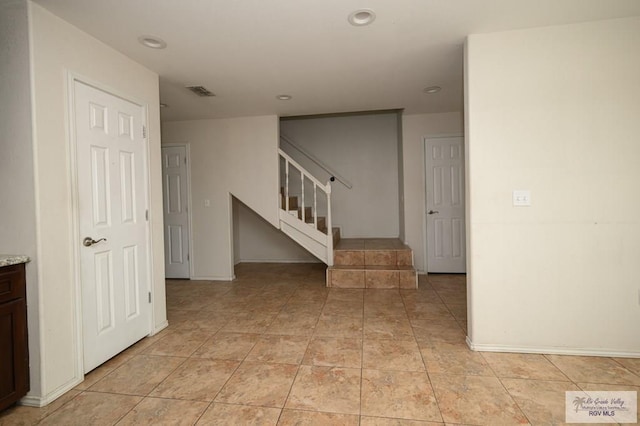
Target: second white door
{"type": "Point", "coordinates": [445, 215]}
{"type": "Point", "coordinates": [176, 213]}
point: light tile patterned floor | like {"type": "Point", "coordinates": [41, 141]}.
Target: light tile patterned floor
{"type": "Point", "coordinates": [277, 347]}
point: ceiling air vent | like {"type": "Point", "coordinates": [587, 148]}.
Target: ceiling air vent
{"type": "Point", "coordinates": [200, 91]}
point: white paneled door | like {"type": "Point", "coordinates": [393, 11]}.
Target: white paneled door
{"type": "Point", "coordinates": [444, 165]}
{"type": "Point", "coordinates": [176, 214]}
{"type": "Point", "coordinates": [112, 194]}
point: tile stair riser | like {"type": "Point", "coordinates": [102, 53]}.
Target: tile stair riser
{"type": "Point", "coordinates": [372, 278]}
{"type": "Point", "coordinates": [390, 258]}
{"type": "Point", "coordinates": [308, 213]}
{"type": "Point", "coordinates": [293, 204]}
{"type": "Point", "coordinates": [372, 268]}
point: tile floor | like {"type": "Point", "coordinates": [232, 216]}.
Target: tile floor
{"type": "Point", "coordinates": [277, 347]}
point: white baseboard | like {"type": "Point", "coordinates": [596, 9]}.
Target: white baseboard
{"type": "Point", "coordinates": [158, 328]}
{"type": "Point", "coordinates": [314, 260]}
{"type": "Point", "coordinates": [552, 350]}
{"type": "Point", "coordinates": [214, 278]}
{"type": "Point", "coordinates": [41, 401]}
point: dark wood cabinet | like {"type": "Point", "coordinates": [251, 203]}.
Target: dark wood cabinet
{"type": "Point", "coordinates": [14, 352]}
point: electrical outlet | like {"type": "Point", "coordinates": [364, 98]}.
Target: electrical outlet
{"type": "Point", "coordinates": [521, 198]}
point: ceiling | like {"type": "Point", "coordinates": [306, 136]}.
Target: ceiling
{"type": "Point", "coordinates": [249, 51]}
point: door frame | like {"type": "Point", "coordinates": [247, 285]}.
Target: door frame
{"type": "Point", "coordinates": [425, 235]}
{"type": "Point", "coordinates": [187, 148]}
{"type": "Point", "coordinates": [70, 110]}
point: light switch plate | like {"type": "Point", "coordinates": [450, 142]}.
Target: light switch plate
{"type": "Point", "coordinates": [521, 198]}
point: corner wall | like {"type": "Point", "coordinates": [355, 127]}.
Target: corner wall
{"type": "Point", "coordinates": [555, 110]}
{"type": "Point", "coordinates": [234, 156]}
{"type": "Point", "coordinates": [58, 48]}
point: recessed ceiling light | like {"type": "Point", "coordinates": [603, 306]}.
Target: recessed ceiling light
{"type": "Point", "coordinates": [284, 97]}
{"type": "Point", "coordinates": [152, 41]}
{"type": "Point", "coordinates": [431, 90]}
{"type": "Point", "coordinates": [362, 17]}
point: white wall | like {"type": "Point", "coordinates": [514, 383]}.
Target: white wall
{"type": "Point", "coordinates": [555, 110]}
{"type": "Point", "coordinates": [415, 127]}
{"type": "Point", "coordinates": [256, 240]}
{"type": "Point", "coordinates": [56, 49]}
{"type": "Point", "coordinates": [363, 149]}
{"type": "Point", "coordinates": [17, 209]}
{"type": "Point", "coordinates": [236, 156]}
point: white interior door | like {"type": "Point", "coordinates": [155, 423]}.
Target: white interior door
{"type": "Point", "coordinates": [176, 214]}
{"type": "Point", "coordinates": [444, 165]}
{"type": "Point", "coordinates": [112, 194]}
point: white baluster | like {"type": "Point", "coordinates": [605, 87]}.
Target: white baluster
{"type": "Point", "coordinates": [286, 186]}
{"type": "Point", "coordinates": [329, 228]}
{"type": "Point", "coordinates": [315, 206]}
{"type": "Point", "coordinates": [302, 196]}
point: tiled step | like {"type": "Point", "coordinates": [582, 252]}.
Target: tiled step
{"type": "Point", "coordinates": [372, 252]}
{"type": "Point", "coordinates": [295, 209]}
{"type": "Point", "coordinates": [336, 236]}
{"type": "Point", "coordinates": [372, 263]}
{"type": "Point", "coordinates": [308, 218]}
{"type": "Point", "coordinates": [372, 277]}
{"type": "Point", "coordinates": [308, 213]}
{"type": "Point", "coordinates": [293, 203]}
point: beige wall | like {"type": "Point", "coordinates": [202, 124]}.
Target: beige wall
{"type": "Point", "coordinates": [555, 110]}
{"type": "Point", "coordinates": [415, 127]}
{"type": "Point", "coordinates": [17, 209]}
{"type": "Point", "coordinates": [236, 156]}
{"type": "Point", "coordinates": [57, 49]}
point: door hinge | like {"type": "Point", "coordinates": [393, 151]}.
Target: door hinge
{"type": "Point", "coordinates": [146, 215]}
{"type": "Point", "coordinates": [149, 297]}
{"type": "Point", "coordinates": [144, 131]}
{"type": "Point", "coordinates": [188, 257]}
{"type": "Point", "coordinates": [185, 160]}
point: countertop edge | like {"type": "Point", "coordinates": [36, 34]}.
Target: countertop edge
{"type": "Point", "coordinates": [13, 259]}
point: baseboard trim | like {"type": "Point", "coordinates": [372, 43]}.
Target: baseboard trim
{"type": "Point", "coordinates": [314, 260]}
{"type": "Point", "coordinates": [551, 350]}
{"type": "Point", "coordinates": [214, 278]}
{"type": "Point", "coordinates": [41, 401]}
{"type": "Point", "coordinates": [158, 328]}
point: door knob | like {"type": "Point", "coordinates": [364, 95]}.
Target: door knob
{"type": "Point", "coordinates": [88, 241]}
{"type": "Point", "coordinates": [432, 212]}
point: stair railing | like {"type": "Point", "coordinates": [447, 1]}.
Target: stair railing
{"type": "Point", "coordinates": [323, 166]}
{"type": "Point", "coordinates": [317, 186]}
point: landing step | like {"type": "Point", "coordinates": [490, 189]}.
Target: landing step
{"type": "Point", "coordinates": [372, 252]}
{"type": "Point", "coordinates": [372, 277]}
{"type": "Point", "coordinates": [372, 263]}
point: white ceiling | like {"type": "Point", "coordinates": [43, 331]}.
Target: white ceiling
{"type": "Point", "coordinates": [249, 51]}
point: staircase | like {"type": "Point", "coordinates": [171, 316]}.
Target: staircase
{"type": "Point", "coordinates": [372, 263]}
{"type": "Point", "coordinates": [300, 216]}
{"type": "Point", "coordinates": [305, 216]}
